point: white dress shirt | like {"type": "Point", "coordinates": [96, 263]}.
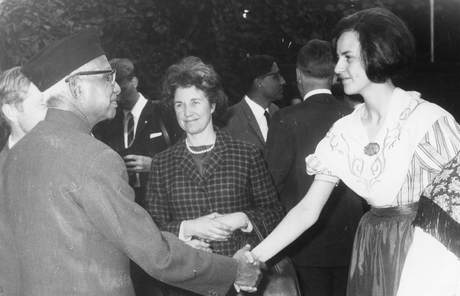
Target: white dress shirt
{"type": "Point", "coordinates": [317, 91]}
{"type": "Point", "coordinates": [136, 112]}
{"type": "Point", "coordinates": [258, 112]}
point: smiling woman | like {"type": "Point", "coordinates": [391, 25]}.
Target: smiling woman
{"type": "Point", "coordinates": [209, 189]}
{"type": "Point", "coordinates": [387, 151]}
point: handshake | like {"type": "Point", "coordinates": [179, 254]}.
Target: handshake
{"type": "Point", "coordinates": [248, 273]}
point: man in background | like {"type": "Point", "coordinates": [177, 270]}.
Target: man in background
{"type": "Point", "coordinates": [22, 107]}
{"type": "Point", "coordinates": [322, 254]}
{"type": "Point", "coordinates": [249, 119]}
{"type": "Point", "coordinates": [68, 201]}
{"type": "Point", "coordinates": [139, 130]}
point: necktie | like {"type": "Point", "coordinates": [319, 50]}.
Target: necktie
{"type": "Point", "coordinates": [129, 125]}
{"type": "Point", "coordinates": [267, 117]}
{"type": "Point", "coordinates": [134, 180]}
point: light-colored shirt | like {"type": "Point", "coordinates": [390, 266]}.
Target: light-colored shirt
{"type": "Point", "coordinates": [136, 112]}
{"type": "Point", "coordinates": [317, 91]}
{"type": "Point", "coordinates": [417, 139]}
{"type": "Point", "coordinates": [258, 112]}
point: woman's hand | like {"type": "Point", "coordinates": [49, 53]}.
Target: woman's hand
{"type": "Point", "coordinates": [198, 244]}
{"type": "Point", "coordinates": [237, 220]}
{"type": "Point", "coordinates": [208, 228]}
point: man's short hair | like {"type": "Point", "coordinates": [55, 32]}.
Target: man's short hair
{"type": "Point", "coordinates": [14, 86]}
{"type": "Point", "coordinates": [316, 59]}
{"type": "Point", "coordinates": [387, 45]}
{"type": "Point", "coordinates": [124, 68]}
{"type": "Point", "coordinates": [255, 66]}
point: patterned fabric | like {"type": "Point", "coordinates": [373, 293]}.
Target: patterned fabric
{"type": "Point", "coordinates": [439, 208]}
{"type": "Point", "coordinates": [235, 179]}
{"type": "Point", "coordinates": [416, 139]}
{"type": "Point", "coordinates": [445, 189]}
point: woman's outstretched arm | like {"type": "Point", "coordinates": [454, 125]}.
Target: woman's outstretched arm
{"type": "Point", "coordinates": [299, 219]}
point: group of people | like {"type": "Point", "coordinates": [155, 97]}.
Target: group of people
{"type": "Point", "coordinates": [105, 192]}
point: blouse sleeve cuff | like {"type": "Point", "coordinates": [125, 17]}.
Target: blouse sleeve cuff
{"type": "Point", "coordinates": [182, 236]}
{"type": "Point", "coordinates": [327, 178]}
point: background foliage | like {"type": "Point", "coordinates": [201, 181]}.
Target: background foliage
{"type": "Point", "coordinates": [157, 33]}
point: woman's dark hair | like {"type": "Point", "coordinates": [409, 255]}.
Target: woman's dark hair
{"type": "Point", "coordinates": [387, 45]}
{"type": "Point", "coordinates": [191, 71]}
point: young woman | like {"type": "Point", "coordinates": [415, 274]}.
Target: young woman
{"type": "Point", "coordinates": [388, 150]}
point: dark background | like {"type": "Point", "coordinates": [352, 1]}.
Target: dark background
{"type": "Point", "coordinates": [157, 33]}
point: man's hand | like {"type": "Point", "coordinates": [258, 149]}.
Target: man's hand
{"type": "Point", "coordinates": [198, 244]}
{"type": "Point", "coordinates": [248, 273]}
{"type": "Point", "coordinates": [207, 228]}
{"type": "Point", "coordinates": [137, 163]}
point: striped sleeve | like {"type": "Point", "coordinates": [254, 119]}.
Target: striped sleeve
{"type": "Point", "coordinates": [440, 144]}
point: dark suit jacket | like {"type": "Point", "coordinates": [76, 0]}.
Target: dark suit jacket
{"type": "Point", "coordinates": [294, 133]}
{"type": "Point", "coordinates": [9, 271]}
{"type": "Point", "coordinates": [153, 121]}
{"type": "Point", "coordinates": [242, 124]}
{"type": "Point", "coordinates": [75, 222]}
{"type": "Point", "coordinates": [235, 180]}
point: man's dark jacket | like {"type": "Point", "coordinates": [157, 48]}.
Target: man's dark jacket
{"type": "Point", "coordinates": [293, 135]}
{"type": "Point", "coordinates": [156, 130]}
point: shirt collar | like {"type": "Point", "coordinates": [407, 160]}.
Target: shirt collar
{"type": "Point", "coordinates": [255, 108]}
{"type": "Point", "coordinates": [10, 142]}
{"type": "Point", "coordinates": [137, 109]}
{"type": "Point", "coordinates": [317, 91]}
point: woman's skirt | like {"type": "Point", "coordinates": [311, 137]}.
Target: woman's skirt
{"type": "Point", "coordinates": [381, 243]}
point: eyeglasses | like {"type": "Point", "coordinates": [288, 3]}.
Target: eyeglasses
{"type": "Point", "coordinates": [109, 75]}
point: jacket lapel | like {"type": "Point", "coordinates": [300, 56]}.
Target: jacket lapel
{"type": "Point", "coordinates": [215, 156]}
{"type": "Point", "coordinates": [247, 112]}
{"type": "Point", "coordinates": [187, 164]}
{"type": "Point", "coordinates": [145, 117]}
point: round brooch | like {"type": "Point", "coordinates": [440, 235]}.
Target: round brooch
{"type": "Point", "coordinates": [371, 149]}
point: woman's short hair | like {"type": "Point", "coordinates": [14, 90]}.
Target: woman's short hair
{"type": "Point", "coordinates": [191, 71]}
{"type": "Point", "coordinates": [387, 45]}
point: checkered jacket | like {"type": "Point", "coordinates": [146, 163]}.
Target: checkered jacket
{"type": "Point", "coordinates": [235, 179]}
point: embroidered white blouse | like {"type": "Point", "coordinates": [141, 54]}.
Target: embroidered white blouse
{"type": "Point", "coordinates": [415, 141]}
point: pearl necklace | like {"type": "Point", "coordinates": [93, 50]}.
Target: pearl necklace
{"type": "Point", "coordinates": [187, 144]}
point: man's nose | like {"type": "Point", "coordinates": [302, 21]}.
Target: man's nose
{"type": "Point", "coordinates": [116, 88]}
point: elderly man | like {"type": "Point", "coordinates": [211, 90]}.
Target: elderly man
{"type": "Point", "coordinates": [22, 107]}
{"type": "Point", "coordinates": [70, 206]}
{"type": "Point", "coordinates": [249, 119]}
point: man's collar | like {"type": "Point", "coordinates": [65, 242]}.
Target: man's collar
{"type": "Point", "coordinates": [68, 118]}
{"type": "Point", "coordinates": [255, 108]}
{"type": "Point", "coordinates": [137, 109]}
{"type": "Point", "coordinates": [10, 142]}
{"type": "Point", "coordinates": [317, 91]}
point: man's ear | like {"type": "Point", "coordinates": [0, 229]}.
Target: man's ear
{"type": "Point", "coordinates": [258, 82]}
{"type": "Point", "coordinates": [135, 82]}
{"type": "Point", "coordinates": [74, 87]}
{"type": "Point", "coordinates": [10, 112]}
